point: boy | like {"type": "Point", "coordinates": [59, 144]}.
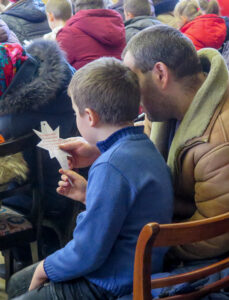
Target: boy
{"type": "Point", "coordinates": [58, 12]}
{"type": "Point", "coordinates": [128, 186]}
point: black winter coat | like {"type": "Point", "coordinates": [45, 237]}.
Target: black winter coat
{"type": "Point", "coordinates": [27, 19]}
{"type": "Point", "coordinates": [38, 92]}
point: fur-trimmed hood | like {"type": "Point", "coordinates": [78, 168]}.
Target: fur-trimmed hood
{"type": "Point", "coordinates": [39, 80]}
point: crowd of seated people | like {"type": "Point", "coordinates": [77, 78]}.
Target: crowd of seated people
{"type": "Point", "coordinates": [86, 66]}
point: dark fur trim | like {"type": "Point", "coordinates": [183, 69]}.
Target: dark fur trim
{"type": "Point", "coordinates": [51, 77]}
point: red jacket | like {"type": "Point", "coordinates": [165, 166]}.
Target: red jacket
{"type": "Point", "coordinates": [206, 31]}
{"type": "Point", "coordinates": [91, 34]}
{"type": "Point", "coordinates": [224, 7]}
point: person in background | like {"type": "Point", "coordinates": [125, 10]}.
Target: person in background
{"type": "Point", "coordinates": [117, 5]}
{"type": "Point", "coordinates": [138, 16]}
{"type": "Point", "coordinates": [164, 11]}
{"type": "Point", "coordinates": [203, 30]}
{"type": "Point", "coordinates": [224, 7]}
{"type": "Point", "coordinates": [209, 7]}
{"type": "Point", "coordinates": [34, 89]}
{"type": "Point", "coordinates": [27, 19]}
{"type": "Point", "coordinates": [93, 32]}
{"type": "Point", "coordinates": [58, 12]}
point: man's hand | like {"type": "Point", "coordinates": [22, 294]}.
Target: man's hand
{"type": "Point", "coordinates": [39, 277]}
{"type": "Point", "coordinates": [76, 190]}
{"type": "Point", "coordinates": [83, 154]}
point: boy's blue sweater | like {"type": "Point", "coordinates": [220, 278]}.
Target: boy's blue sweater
{"type": "Point", "coordinates": [129, 185]}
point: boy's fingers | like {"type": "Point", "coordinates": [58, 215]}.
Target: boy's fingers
{"type": "Point", "coordinates": [64, 177]}
{"type": "Point", "coordinates": [63, 183]}
{"type": "Point", "coordinates": [71, 174]}
{"type": "Point", "coordinates": [60, 190]}
{"type": "Point", "coordinates": [72, 145]}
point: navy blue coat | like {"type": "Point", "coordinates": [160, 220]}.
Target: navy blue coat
{"type": "Point", "coordinates": [38, 93]}
{"type": "Point", "coordinates": [27, 19]}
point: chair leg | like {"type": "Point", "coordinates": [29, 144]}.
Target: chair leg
{"type": "Point", "coordinates": [9, 265]}
{"type": "Point", "coordinates": [34, 251]}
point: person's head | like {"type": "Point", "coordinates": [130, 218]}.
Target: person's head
{"type": "Point", "coordinates": [104, 93]}
{"type": "Point", "coordinates": [186, 11]}
{"type": "Point", "coordinates": [165, 62]}
{"type": "Point", "coordinates": [88, 4]}
{"type": "Point", "coordinates": [209, 6]}
{"type": "Point", "coordinates": [136, 8]}
{"type": "Point", "coordinates": [58, 11]}
{"type": "Point", "coordinates": [164, 6]}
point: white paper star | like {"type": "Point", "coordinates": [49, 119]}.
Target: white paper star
{"type": "Point", "coordinates": [50, 141]}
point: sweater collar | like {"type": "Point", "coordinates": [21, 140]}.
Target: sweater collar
{"type": "Point", "coordinates": [117, 135]}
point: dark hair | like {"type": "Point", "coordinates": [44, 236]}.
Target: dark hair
{"type": "Point", "coordinates": [109, 88]}
{"type": "Point", "coordinates": [88, 4]}
{"type": "Point", "coordinates": [161, 43]}
{"type": "Point", "coordinates": [137, 7]}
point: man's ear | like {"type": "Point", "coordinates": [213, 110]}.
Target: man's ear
{"type": "Point", "coordinates": [128, 15]}
{"type": "Point", "coordinates": [92, 116]}
{"type": "Point", "coordinates": [50, 16]}
{"type": "Point", "coordinates": [161, 74]}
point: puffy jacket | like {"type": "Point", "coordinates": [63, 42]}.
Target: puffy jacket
{"type": "Point", "coordinates": [199, 156]}
{"type": "Point", "coordinates": [224, 7]}
{"type": "Point", "coordinates": [91, 34]}
{"type": "Point", "coordinates": [206, 31]}
{"type": "Point", "coordinates": [133, 26]}
{"type": "Point", "coordinates": [27, 19]}
{"type": "Point", "coordinates": [38, 93]}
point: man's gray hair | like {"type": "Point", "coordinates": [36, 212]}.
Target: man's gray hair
{"type": "Point", "coordinates": [162, 43]}
{"type": "Point", "coordinates": [137, 7]}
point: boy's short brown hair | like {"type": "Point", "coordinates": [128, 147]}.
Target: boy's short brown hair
{"type": "Point", "coordinates": [61, 9]}
{"type": "Point", "coordinates": [109, 88]}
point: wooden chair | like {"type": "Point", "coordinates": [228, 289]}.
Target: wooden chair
{"type": "Point", "coordinates": [156, 235]}
{"type": "Point", "coordinates": [15, 228]}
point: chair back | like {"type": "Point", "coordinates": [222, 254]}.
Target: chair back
{"type": "Point", "coordinates": [156, 235]}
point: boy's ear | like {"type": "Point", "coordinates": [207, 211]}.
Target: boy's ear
{"type": "Point", "coordinates": [128, 15]}
{"type": "Point", "coordinates": [93, 117]}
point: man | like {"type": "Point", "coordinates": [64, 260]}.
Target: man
{"type": "Point", "coordinates": [138, 16]}
{"type": "Point", "coordinates": [189, 93]}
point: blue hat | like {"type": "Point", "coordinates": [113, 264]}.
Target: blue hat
{"type": "Point", "coordinates": [165, 6]}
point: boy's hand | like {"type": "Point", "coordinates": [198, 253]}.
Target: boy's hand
{"type": "Point", "coordinates": [76, 191]}
{"type": "Point", "coordinates": [39, 277]}
{"type": "Point", "coordinates": [83, 154]}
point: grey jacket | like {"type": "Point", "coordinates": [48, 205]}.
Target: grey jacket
{"type": "Point", "coordinates": [137, 24]}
